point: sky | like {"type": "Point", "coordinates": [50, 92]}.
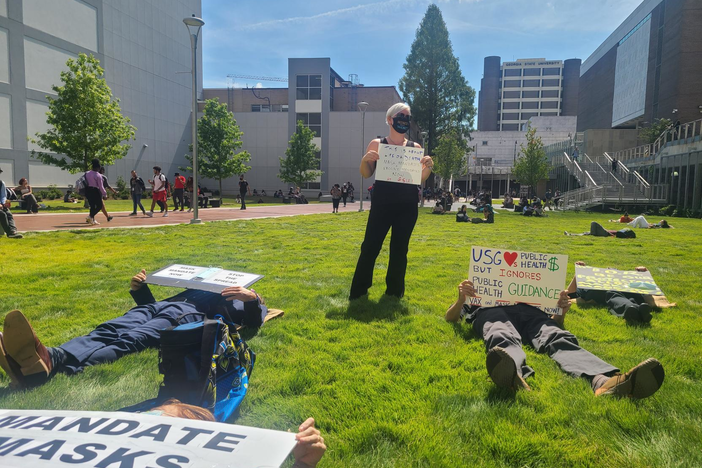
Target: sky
{"type": "Point", "coordinates": [372, 38]}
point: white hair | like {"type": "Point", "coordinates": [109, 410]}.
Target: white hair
{"type": "Point", "coordinates": [395, 108]}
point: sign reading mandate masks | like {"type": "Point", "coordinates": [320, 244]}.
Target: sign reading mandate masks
{"type": "Point", "coordinates": [504, 277]}
{"type": "Point", "coordinates": [401, 164]}
{"type": "Point", "coordinates": [52, 439]}
{"type": "Point", "coordinates": [609, 279]}
{"type": "Point", "coordinates": [202, 278]}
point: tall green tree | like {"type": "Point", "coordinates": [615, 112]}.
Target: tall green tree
{"type": "Point", "coordinates": [433, 84]}
{"type": "Point", "coordinates": [650, 134]}
{"type": "Point", "coordinates": [86, 121]}
{"type": "Point", "coordinates": [301, 164]}
{"type": "Point", "coordinates": [218, 138]}
{"type": "Point", "coordinates": [450, 156]}
{"type": "Point", "coordinates": [532, 166]}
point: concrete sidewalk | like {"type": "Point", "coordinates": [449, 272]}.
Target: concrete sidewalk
{"type": "Point", "coordinates": [64, 221]}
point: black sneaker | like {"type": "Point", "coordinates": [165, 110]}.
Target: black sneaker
{"type": "Point", "coordinates": [15, 235]}
{"type": "Point", "coordinates": [109, 218]}
{"type": "Point", "coordinates": [503, 370]}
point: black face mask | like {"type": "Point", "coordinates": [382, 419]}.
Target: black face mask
{"type": "Point", "coordinates": [401, 123]}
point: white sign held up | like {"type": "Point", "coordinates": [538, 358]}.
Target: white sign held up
{"type": "Point", "coordinates": [400, 164]}
{"type": "Point", "coordinates": [503, 277]}
{"type": "Point", "coordinates": [202, 278]}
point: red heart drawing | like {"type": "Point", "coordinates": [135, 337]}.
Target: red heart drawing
{"type": "Point", "coordinates": [510, 257]}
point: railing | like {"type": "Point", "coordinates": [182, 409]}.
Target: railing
{"type": "Point", "coordinates": [685, 133]}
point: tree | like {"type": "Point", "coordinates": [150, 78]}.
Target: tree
{"type": "Point", "coordinates": [86, 121]}
{"type": "Point", "coordinates": [450, 156]}
{"type": "Point", "coordinates": [301, 165]}
{"type": "Point", "coordinates": [433, 84]}
{"type": "Point", "coordinates": [532, 166]}
{"type": "Point", "coordinates": [651, 133]}
{"type": "Point", "coordinates": [218, 138]}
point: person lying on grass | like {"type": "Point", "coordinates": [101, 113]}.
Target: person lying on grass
{"type": "Point", "coordinates": [135, 331]}
{"type": "Point", "coordinates": [597, 230]}
{"type": "Point", "coordinates": [504, 327]}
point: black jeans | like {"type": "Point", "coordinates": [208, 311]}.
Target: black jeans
{"type": "Point", "coordinates": [243, 200]}
{"type": "Point", "coordinates": [344, 197]}
{"type": "Point", "coordinates": [94, 197]}
{"type": "Point", "coordinates": [178, 198]}
{"type": "Point", "coordinates": [401, 217]}
{"type": "Point", "coordinates": [7, 221]}
{"type": "Point", "coordinates": [335, 203]}
{"type": "Point", "coordinates": [507, 327]}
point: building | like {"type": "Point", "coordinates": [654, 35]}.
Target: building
{"type": "Point", "coordinates": [326, 103]}
{"type": "Point", "coordinates": [650, 67]}
{"type": "Point", "coordinates": [513, 92]}
{"type": "Point", "coordinates": [143, 46]}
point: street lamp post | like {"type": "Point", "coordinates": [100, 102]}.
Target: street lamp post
{"type": "Point", "coordinates": [424, 147]}
{"type": "Point", "coordinates": [362, 106]}
{"type": "Point", "coordinates": [194, 24]}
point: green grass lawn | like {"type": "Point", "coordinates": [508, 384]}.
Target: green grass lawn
{"type": "Point", "coordinates": [390, 383]}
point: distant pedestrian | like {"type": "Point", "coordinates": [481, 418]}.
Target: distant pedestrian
{"type": "Point", "coordinates": [351, 191]}
{"type": "Point", "coordinates": [614, 165]}
{"type": "Point", "coordinates": [106, 184]}
{"type": "Point", "coordinates": [95, 192]}
{"type": "Point", "coordinates": [6, 219]}
{"type": "Point", "coordinates": [138, 188]}
{"type": "Point", "coordinates": [335, 193]}
{"type": "Point", "coordinates": [344, 193]}
{"type": "Point", "coordinates": [159, 192]}
{"type": "Point", "coordinates": [191, 193]}
{"type": "Point", "coordinates": [575, 154]}
{"type": "Point", "coordinates": [179, 192]}
{"type": "Point", "coordinates": [243, 190]}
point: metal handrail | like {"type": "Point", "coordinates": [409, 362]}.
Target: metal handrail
{"type": "Point", "coordinates": [670, 135]}
{"type": "Point", "coordinates": [642, 180]}
{"type": "Point", "coordinates": [591, 179]}
{"type": "Point", "coordinates": [588, 158]}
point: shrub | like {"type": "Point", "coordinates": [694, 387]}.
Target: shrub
{"type": "Point", "coordinates": [53, 192]}
{"type": "Point", "coordinates": [122, 189]}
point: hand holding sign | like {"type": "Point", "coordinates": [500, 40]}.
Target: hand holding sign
{"type": "Point", "coordinates": [400, 164]}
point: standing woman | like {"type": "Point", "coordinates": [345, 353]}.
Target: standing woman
{"type": "Point", "coordinates": [106, 184]}
{"type": "Point", "coordinates": [394, 206]}
{"type": "Point", "coordinates": [335, 193]}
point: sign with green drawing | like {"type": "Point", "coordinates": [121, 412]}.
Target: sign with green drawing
{"type": "Point", "coordinates": [609, 279]}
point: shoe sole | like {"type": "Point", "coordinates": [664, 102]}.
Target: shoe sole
{"type": "Point", "coordinates": [12, 371]}
{"type": "Point", "coordinates": [503, 370]}
{"type": "Point", "coordinates": [20, 346]}
{"type": "Point", "coordinates": [647, 378]}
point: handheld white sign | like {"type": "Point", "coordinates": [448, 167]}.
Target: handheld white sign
{"type": "Point", "coordinates": [53, 439]}
{"type": "Point", "coordinates": [610, 279]}
{"type": "Point", "coordinates": [503, 277]}
{"type": "Point", "coordinates": [202, 278]}
{"type": "Point", "coordinates": [400, 164]}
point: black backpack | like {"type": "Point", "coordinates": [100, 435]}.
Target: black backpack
{"type": "Point", "coordinates": [626, 233]}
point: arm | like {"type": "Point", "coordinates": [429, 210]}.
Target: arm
{"type": "Point", "coordinates": [465, 290]}
{"type": "Point", "coordinates": [370, 159]}
{"type": "Point", "coordinates": [427, 165]}
{"type": "Point", "coordinates": [100, 185]}
{"type": "Point", "coordinates": [139, 290]}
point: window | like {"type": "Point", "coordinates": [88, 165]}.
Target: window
{"type": "Point", "coordinates": [549, 93]}
{"type": "Point", "coordinates": [510, 116]}
{"type": "Point", "coordinates": [510, 94]}
{"type": "Point", "coordinates": [510, 127]}
{"type": "Point", "coordinates": [549, 104]}
{"type": "Point", "coordinates": [512, 83]}
{"type": "Point", "coordinates": [551, 82]}
{"type": "Point", "coordinates": [528, 115]}
{"type": "Point", "coordinates": [532, 72]}
{"type": "Point", "coordinates": [531, 83]}
{"type": "Point", "coordinates": [312, 121]}
{"type": "Point", "coordinates": [485, 143]}
{"type": "Point", "coordinates": [552, 71]}
{"type": "Point", "coordinates": [510, 105]}
{"type": "Point", "coordinates": [279, 107]}
{"type": "Point", "coordinates": [513, 72]}
{"type": "Point", "coordinates": [530, 105]}
{"type": "Point", "coordinates": [260, 108]}
{"type": "Point", "coordinates": [530, 94]}
{"type": "Point", "coordinates": [309, 87]}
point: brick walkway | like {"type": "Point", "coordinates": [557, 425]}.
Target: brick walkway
{"type": "Point", "coordinates": [62, 221]}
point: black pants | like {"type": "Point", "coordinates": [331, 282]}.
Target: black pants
{"type": "Point", "coordinates": [7, 221]}
{"type": "Point", "coordinates": [178, 198]}
{"type": "Point", "coordinates": [620, 304]}
{"type": "Point", "coordinates": [94, 197]}
{"type": "Point", "coordinates": [243, 200]}
{"type": "Point", "coordinates": [136, 201]}
{"type": "Point", "coordinates": [30, 203]}
{"type": "Point", "coordinates": [401, 217]}
{"type": "Point", "coordinates": [596, 229]}
{"type": "Point", "coordinates": [507, 327]}
{"type": "Point", "coordinates": [344, 197]}
{"type": "Point", "coordinates": [335, 203]}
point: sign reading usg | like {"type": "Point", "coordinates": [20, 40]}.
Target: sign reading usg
{"type": "Point", "coordinates": [503, 277]}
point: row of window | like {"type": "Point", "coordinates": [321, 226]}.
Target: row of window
{"type": "Point", "coordinates": [530, 83]}
{"type": "Point", "coordinates": [530, 105]}
{"type": "Point", "coordinates": [547, 93]}
{"type": "Point", "coordinates": [532, 72]}
{"type": "Point", "coordinates": [269, 108]}
{"type": "Point", "coordinates": [525, 115]}
{"type": "Point", "coordinates": [309, 87]}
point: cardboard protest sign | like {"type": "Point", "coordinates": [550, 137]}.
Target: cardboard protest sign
{"type": "Point", "coordinates": [609, 279]}
{"type": "Point", "coordinates": [202, 278]}
{"type": "Point", "coordinates": [401, 164]}
{"type": "Point", "coordinates": [503, 277]}
{"type": "Point", "coordinates": [39, 438]}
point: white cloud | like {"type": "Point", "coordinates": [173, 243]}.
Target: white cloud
{"type": "Point", "coordinates": [258, 85]}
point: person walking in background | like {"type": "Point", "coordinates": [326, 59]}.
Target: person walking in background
{"type": "Point", "coordinates": [7, 221]}
{"type": "Point", "coordinates": [179, 192]}
{"type": "Point", "coordinates": [575, 154]}
{"type": "Point", "coordinates": [351, 190]}
{"type": "Point", "coordinates": [95, 192]}
{"type": "Point", "coordinates": [335, 193]}
{"type": "Point", "coordinates": [394, 206]}
{"type": "Point", "coordinates": [159, 194]}
{"type": "Point", "coordinates": [137, 188]}
{"type": "Point", "coordinates": [106, 184]}
{"type": "Point", "coordinates": [243, 190]}
{"type": "Point", "coordinates": [191, 195]}
{"type": "Point", "coordinates": [614, 165]}
{"type": "Point", "coordinates": [344, 193]}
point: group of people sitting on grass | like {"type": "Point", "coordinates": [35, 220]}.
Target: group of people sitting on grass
{"type": "Point", "coordinates": [488, 215]}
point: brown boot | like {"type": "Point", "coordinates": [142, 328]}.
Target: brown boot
{"type": "Point", "coordinates": [11, 368]}
{"type": "Point", "coordinates": [22, 345]}
{"type": "Point", "coordinates": [503, 370]}
{"type": "Point", "coordinates": [641, 381]}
